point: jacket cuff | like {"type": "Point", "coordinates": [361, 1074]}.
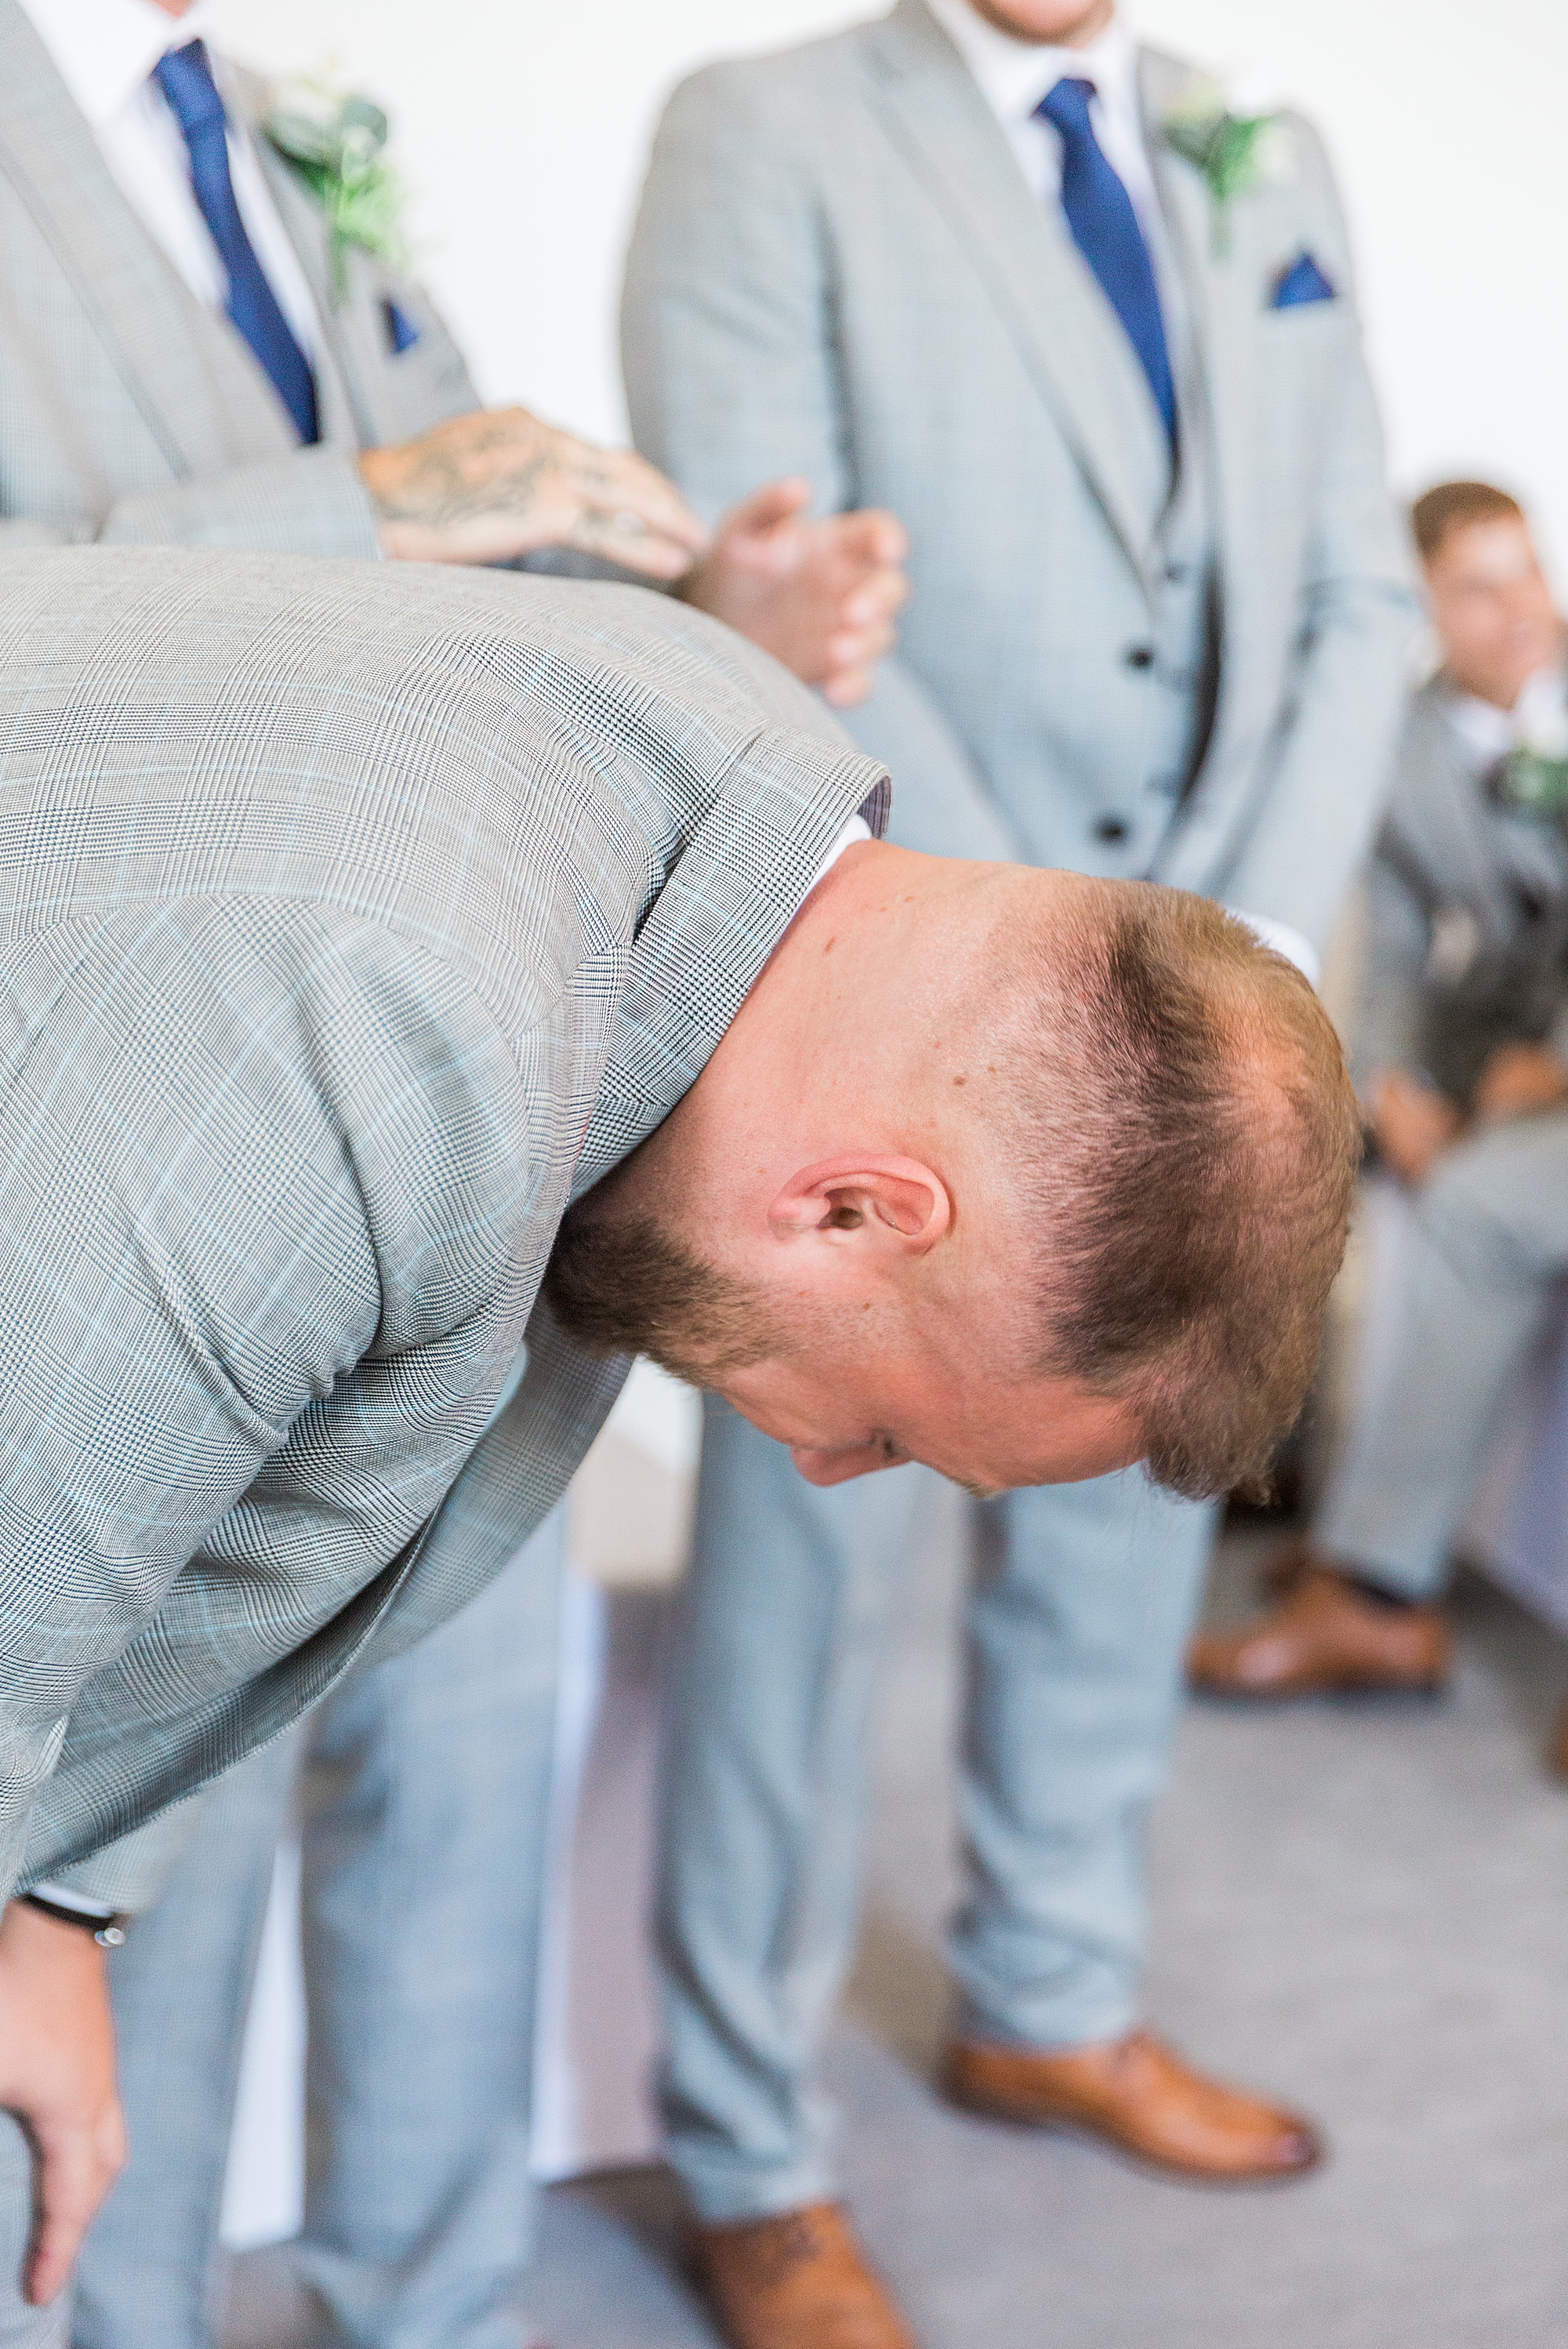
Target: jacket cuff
{"type": "Point", "coordinates": [312, 502]}
{"type": "Point", "coordinates": [127, 1876]}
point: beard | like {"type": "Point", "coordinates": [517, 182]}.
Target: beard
{"type": "Point", "coordinates": [623, 1285]}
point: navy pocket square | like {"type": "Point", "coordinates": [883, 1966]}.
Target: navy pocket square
{"type": "Point", "coordinates": [401, 331]}
{"type": "Point", "coordinates": [1301, 282]}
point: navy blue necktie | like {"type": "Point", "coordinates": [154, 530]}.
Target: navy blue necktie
{"type": "Point", "coordinates": [1105, 230]}
{"type": "Point", "coordinates": [186, 80]}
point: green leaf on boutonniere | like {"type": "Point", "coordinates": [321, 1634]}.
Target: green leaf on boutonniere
{"type": "Point", "coordinates": [1533, 784]}
{"type": "Point", "coordinates": [335, 145]}
{"type": "Point", "coordinates": [1236, 150]}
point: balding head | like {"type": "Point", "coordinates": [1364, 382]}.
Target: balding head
{"type": "Point", "coordinates": [1185, 1142]}
{"type": "Point", "coordinates": [1020, 1173]}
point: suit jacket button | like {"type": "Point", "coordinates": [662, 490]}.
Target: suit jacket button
{"type": "Point", "coordinates": [1138, 656]}
{"type": "Point", "coordinates": [1111, 829]}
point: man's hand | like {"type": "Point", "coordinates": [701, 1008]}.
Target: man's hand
{"type": "Point", "coordinates": [501, 482]}
{"type": "Point", "coordinates": [819, 596]}
{"type": "Point", "coordinates": [1519, 1081]}
{"type": "Point", "coordinates": [1414, 1124]}
{"type": "Point", "coordinates": [57, 2076]}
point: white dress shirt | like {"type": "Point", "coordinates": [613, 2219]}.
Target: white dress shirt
{"type": "Point", "coordinates": [105, 51]}
{"type": "Point", "coordinates": [1485, 732]}
{"type": "Point", "coordinates": [1015, 75]}
{"type": "Point", "coordinates": [1488, 734]}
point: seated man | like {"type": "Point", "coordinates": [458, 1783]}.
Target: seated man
{"type": "Point", "coordinates": [374, 938]}
{"type": "Point", "coordinates": [1463, 1050]}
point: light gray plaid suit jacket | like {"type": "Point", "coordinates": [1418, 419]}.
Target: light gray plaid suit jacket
{"type": "Point", "coordinates": [129, 413]}
{"type": "Point", "coordinates": [838, 270]}
{"type": "Point", "coordinates": [352, 915]}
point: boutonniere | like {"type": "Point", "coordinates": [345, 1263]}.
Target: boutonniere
{"type": "Point", "coordinates": [336, 144]}
{"type": "Point", "coordinates": [1535, 776]}
{"type": "Point", "coordinates": [1236, 137]}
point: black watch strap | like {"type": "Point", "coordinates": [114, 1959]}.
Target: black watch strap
{"type": "Point", "coordinates": [108, 1933]}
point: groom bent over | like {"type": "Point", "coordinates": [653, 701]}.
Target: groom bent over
{"type": "Point", "coordinates": [358, 920]}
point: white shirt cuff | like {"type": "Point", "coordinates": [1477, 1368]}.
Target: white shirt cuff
{"type": "Point", "coordinates": [78, 1902]}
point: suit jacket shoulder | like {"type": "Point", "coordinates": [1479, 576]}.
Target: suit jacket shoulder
{"type": "Point", "coordinates": [352, 915]}
{"type": "Point", "coordinates": [127, 410]}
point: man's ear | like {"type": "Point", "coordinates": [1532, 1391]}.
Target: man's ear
{"type": "Point", "coordinates": [863, 1197]}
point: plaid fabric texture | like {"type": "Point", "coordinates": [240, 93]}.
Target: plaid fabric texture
{"type": "Point", "coordinates": [350, 916]}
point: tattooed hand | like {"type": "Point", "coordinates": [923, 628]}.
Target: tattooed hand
{"type": "Point", "coordinates": [501, 483]}
{"type": "Point", "coordinates": [819, 596]}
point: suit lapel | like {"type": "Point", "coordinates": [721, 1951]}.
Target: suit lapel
{"type": "Point", "coordinates": [1220, 380]}
{"type": "Point", "coordinates": [204, 398]}
{"type": "Point", "coordinates": [1067, 333]}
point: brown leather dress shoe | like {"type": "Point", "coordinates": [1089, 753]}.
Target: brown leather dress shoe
{"type": "Point", "coordinates": [1137, 2095]}
{"type": "Point", "coordinates": [1325, 1637]}
{"type": "Point", "coordinates": [799, 2280]}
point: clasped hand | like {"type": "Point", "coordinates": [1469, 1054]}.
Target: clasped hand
{"type": "Point", "coordinates": [1415, 1124]}
{"type": "Point", "coordinates": [500, 483]}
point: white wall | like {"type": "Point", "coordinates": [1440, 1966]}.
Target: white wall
{"type": "Point", "coordinates": [523, 128]}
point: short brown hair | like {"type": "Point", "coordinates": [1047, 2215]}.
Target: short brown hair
{"type": "Point", "coordinates": [1192, 1181]}
{"type": "Point", "coordinates": [1454, 505]}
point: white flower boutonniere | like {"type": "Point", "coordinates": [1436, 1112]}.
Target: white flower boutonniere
{"type": "Point", "coordinates": [1534, 778]}
{"type": "Point", "coordinates": [1235, 135]}
{"type": "Point", "coordinates": [336, 144]}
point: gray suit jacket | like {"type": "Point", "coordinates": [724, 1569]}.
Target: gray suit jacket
{"type": "Point", "coordinates": [128, 412]}
{"type": "Point", "coordinates": [352, 917]}
{"type": "Point", "coordinates": [1466, 901]}
{"type": "Point", "coordinates": [838, 270]}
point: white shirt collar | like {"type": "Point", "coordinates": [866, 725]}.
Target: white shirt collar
{"type": "Point", "coordinates": [1016, 75]}
{"type": "Point", "coordinates": [1490, 733]}
{"type": "Point", "coordinates": [105, 49]}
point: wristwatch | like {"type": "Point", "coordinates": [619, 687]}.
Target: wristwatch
{"type": "Point", "coordinates": [106, 1926]}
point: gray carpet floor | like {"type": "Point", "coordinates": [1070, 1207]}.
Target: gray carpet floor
{"type": "Point", "coordinates": [1363, 1906]}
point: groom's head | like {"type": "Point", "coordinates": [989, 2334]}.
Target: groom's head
{"type": "Point", "coordinates": [1025, 1175]}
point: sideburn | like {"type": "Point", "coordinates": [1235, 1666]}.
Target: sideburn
{"type": "Point", "coordinates": [620, 1285]}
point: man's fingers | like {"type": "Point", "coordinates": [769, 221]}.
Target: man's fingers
{"type": "Point", "coordinates": [766, 508]}
{"type": "Point", "coordinates": [74, 2168]}
{"type": "Point", "coordinates": [621, 536]}
{"type": "Point", "coordinates": [876, 599]}
{"type": "Point", "coordinates": [873, 536]}
{"type": "Point", "coordinates": [859, 647]}
{"type": "Point", "coordinates": [618, 482]}
{"type": "Point", "coordinates": [844, 689]}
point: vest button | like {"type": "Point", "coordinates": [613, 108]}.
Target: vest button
{"type": "Point", "coordinates": [1111, 829]}
{"type": "Point", "coordinates": [1138, 656]}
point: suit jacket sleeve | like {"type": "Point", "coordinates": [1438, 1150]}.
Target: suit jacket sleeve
{"type": "Point", "coordinates": [311, 503]}
{"type": "Point", "coordinates": [1331, 762]}
{"type": "Point", "coordinates": [263, 1175]}
{"type": "Point", "coordinates": [732, 379]}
